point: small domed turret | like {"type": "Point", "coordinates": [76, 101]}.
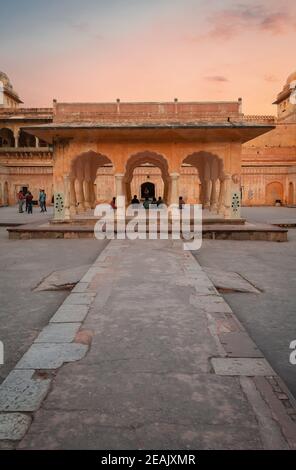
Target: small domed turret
{"type": "Point", "coordinates": [8, 97]}
{"type": "Point", "coordinates": [291, 78]}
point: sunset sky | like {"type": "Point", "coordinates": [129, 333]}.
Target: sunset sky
{"type": "Point", "coordinates": [148, 50]}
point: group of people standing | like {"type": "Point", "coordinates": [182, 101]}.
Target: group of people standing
{"type": "Point", "coordinates": [27, 200]}
{"type": "Point", "coordinates": [148, 204]}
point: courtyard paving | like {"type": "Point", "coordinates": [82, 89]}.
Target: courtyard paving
{"type": "Point", "coordinates": [145, 352]}
{"type": "Point", "coordinates": [24, 265]}
{"type": "Point", "coordinates": [270, 316]}
{"type": "Point", "coordinates": [148, 367]}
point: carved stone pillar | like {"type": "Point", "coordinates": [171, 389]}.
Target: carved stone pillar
{"type": "Point", "coordinates": [87, 193]}
{"type": "Point", "coordinates": [67, 197]}
{"type": "Point", "coordinates": [227, 196]}
{"type": "Point", "coordinates": [174, 183]}
{"type": "Point", "coordinates": [79, 195]}
{"type": "Point", "coordinates": [207, 186]}
{"type": "Point", "coordinates": [72, 196]}
{"type": "Point", "coordinates": [165, 191]}
{"type": "Point", "coordinates": [120, 190]}
{"type": "Point", "coordinates": [213, 205]}
{"type": "Point", "coordinates": [207, 193]}
{"type": "Point", "coordinates": [221, 208]}
{"type": "Point", "coordinates": [128, 193]}
{"type": "Point", "coordinates": [16, 139]}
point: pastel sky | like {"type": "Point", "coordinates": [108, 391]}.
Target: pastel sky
{"type": "Point", "coordinates": [148, 50]}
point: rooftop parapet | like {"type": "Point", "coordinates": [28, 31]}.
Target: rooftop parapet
{"type": "Point", "coordinates": [158, 111]}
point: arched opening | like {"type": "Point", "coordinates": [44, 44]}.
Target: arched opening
{"type": "Point", "coordinates": [209, 180]}
{"type": "Point", "coordinates": [147, 172]}
{"type": "Point", "coordinates": [291, 194]}
{"type": "Point", "coordinates": [6, 138]}
{"type": "Point", "coordinates": [5, 194]}
{"type": "Point", "coordinates": [147, 190]}
{"type": "Point", "coordinates": [42, 143]}
{"type": "Point", "coordinates": [91, 181]}
{"type": "Point", "coordinates": [274, 192]}
{"type": "Point", "coordinates": [26, 140]}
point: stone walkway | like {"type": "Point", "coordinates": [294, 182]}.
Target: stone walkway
{"type": "Point", "coordinates": [155, 360]}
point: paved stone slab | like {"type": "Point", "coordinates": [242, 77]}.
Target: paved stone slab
{"type": "Point", "coordinates": [70, 313]}
{"type": "Point", "coordinates": [151, 435]}
{"type": "Point", "coordinates": [230, 280]}
{"type": "Point", "coordinates": [80, 299]}
{"type": "Point", "coordinates": [241, 366]}
{"type": "Point", "coordinates": [80, 288]}
{"type": "Point", "coordinates": [91, 273]}
{"type": "Point", "coordinates": [13, 426]}
{"type": "Point", "coordinates": [271, 433]}
{"type": "Point", "coordinates": [210, 303]}
{"type": "Point", "coordinates": [202, 286]}
{"type": "Point", "coordinates": [21, 392]}
{"type": "Point", "coordinates": [60, 279]}
{"type": "Point", "coordinates": [58, 333]}
{"type": "Point", "coordinates": [239, 344]}
{"type": "Point", "coordinates": [51, 356]}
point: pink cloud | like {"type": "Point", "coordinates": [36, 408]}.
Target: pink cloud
{"type": "Point", "coordinates": [225, 24]}
{"type": "Point", "coordinates": [270, 78]}
{"type": "Point", "coordinates": [275, 23]}
{"type": "Point", "coordinates": [216, 78]}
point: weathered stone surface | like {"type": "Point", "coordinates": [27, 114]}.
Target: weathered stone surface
{"type": "Point", "coordinates": [271, 433]}
{"type": "Point", "coordinates": [70, 313]}
{"type": "Point", "coordinates": [91, 273]}
{"type": "Point", "coordinates": [81, 287]}
{"type": "Point", "coordinates": [152, 434]}
{"type": "Point", "coordinates": [51, 356]}
{"type": "Point", "coordinates": [62, 278]}
{"type": "Point", "coordinates": [58, 333]}
{"type": "Point", "coordinates": [230, 280]}
{"type": "Point", "coordinates": [241, 366]}
{"type": "Point", "coordinates": [239, 344]}
{"type": "Point", "coordinates": [148, 375]}
{"type": "Point", "coordinates": [80, 299]}
{"type": "Point", "coordinates": [21, 392]}
{"type": "Point", "coordinates": [210, 303]}
{"type": "Point", "coordinates": [13, 426]}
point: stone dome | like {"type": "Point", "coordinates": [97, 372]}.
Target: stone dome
{"type": "Point", "coordinates": [5, 80]}
{"type": "Point", "coordinates": [291, 78]}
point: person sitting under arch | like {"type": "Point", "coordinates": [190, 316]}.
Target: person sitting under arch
{"type": "Point", "coordinates": [146, 203]}
{"type": "Point", "coordinates": [154, 203]}
{"type": "Point", "coordinates": [181, 202]}
{"type": "Point", "coordinates": [160, 201]}
{"type": "Point", "coordinates": [113, 203]}
{"type": "Point", "coordinates": [135, 200]}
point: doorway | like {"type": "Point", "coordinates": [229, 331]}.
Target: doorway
{"type": "Point", "coordinates": [147, 190]}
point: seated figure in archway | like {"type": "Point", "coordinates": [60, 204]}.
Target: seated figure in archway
{"type": "Point", "coordinates": [135, 200]}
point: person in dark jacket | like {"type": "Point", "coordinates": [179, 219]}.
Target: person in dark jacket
{"type": "Point", "coordinates": [135, 200]}
{"type": "Point", "coordinates": [29, 202]}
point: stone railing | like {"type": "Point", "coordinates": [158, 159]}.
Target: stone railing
{"type": "Point", "coordinates": [45, 113]}
{"type": "Point", "coordinates": [25, 149]}
{"type": "Point", "coordinates": [170, 118]}
{"type": "Point", "coordinates": [265, 119]}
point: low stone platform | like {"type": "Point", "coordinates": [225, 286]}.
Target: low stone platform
{"type": "Point", "coordinates": [219, 231]}
{"type": "Point", "coordinates": [91, 221]}
{"type": "Point", "coordinates": [285, 223]}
